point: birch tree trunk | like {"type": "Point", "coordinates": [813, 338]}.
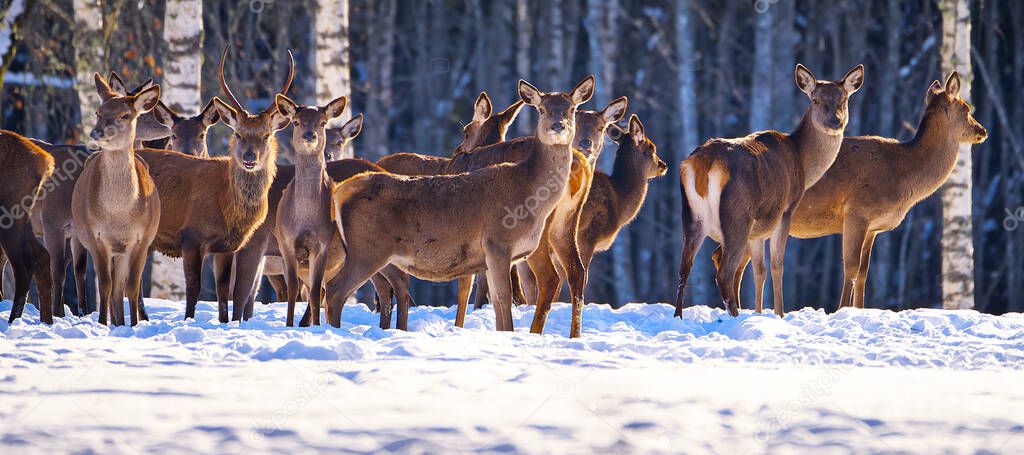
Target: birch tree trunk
{"type": "Point", "coordinates": [524, 30]}
{"type": "Point", "coordinates": [556, 64]}
{"type": "Point", "coordinates": [9, 24]}
{"type": "Point", "coordinates": [180, 90]}
{"type": "Point", "coordinates": [88, 59]}
{"type": "Point", "coordinates": [331, 60]}
{"type": "Point", "coordinates": [761, 82]}
{"type": "Point", "coordinates": [379, 98]}
{"type": "Point", "coordinates": [957, 226]}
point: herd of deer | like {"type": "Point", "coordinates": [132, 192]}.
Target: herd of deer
{"type": "Point", "coordinates": [525, 214]}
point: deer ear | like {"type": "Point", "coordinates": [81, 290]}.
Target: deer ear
{"type": "Point", "coordinates": [285, 106]}
{"type": "Point", "coordinates": [336, 107]}
{"type": "Point", "coordinates": [934, 89]}
{"type": "Point", "coordinates": [210, 114]}
{"type": "Point", "coordinates": [507, 116]}
{"type": "Point", "coordinates": [102, 88]}
{"type": "Point", "coordinates": [953, 85]}
{"type": "Point", "coordinates": [615, 132]}
{"type": "Point", "coordinates": [529, 94]}
{"type": "Point", "coordinates": [279, 121]}
{"type": "Point", "coordinates": [636, 129]}
{"type": "Point", "coordinates": [353, 127]}
{"type": "Point", "coordinates": [805, 80]}
{"type": "Point", "coordinates": [227, 113]}
{"type": "Point", "coordinates": [163, 114]}
{"type": "Point", "coordinates": [615, 110]}
{"type": "Point", "coordinates": [854, 79]}
{"type": "Point", "coordinates": [482, 108]}
{"type": "Point", "coordinates": [116, 84]}
{"type": "Point", "coordinates": [583, 90]}
{"type": "Point", "coordinates": [147, 99]}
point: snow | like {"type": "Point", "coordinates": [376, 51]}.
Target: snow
{"type": "Point", "coordinates": [638, 381]}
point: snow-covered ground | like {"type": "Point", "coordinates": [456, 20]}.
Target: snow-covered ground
{"type": "Point", "coordinates": [921, 381]}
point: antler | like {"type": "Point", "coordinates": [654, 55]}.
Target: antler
{"type": "Point", "coordinates": [287, 83]}
{"type": "Point", "coordinates": [224, 85]}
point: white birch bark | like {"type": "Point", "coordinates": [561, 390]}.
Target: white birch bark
{"type": "Point", "coordinates": [88, 59]}
{"type": "Point", "coordinates": [957, 226]}
{"type": "Point", "coordinates": [524, 30]}
{"type": "Point", "coordinates": [331, 60]}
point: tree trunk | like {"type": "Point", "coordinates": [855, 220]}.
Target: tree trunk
{"type": "Point", "coordinates": [524, 30]}
{"type": "Point", "coordinates": [180, 90]}
{"type": "Point", "coordinates": [761, 80]}
{"type": "Point", "coordinates": [379, 97]}
{"type": "Point", "coordinates": [88, 58]}
{"type": "Point", "coordinates": [957, 226]}
{"type": "Point", "coordinates": [331, 60]}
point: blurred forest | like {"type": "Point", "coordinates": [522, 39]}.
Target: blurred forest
{"type": "Point", "coordinates": [692, 70]}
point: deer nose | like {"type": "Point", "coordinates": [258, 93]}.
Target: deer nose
{"type": "Point", "coordinates": [249, 156]}
{"type": "Point", "coordinates": [835, 123]}
{"type": "Point", "coordinates": [557, 127]}
{"type": "Point", "coordinates": [96, 134]}
{"type": "Point", "coordinates": [309, 136]}
{"type": "Point", "coordinates": [586, 144]}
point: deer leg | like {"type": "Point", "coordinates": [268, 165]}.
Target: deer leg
{"type": "Point", "coordinates": [854, 237]}
{"type": "Point", "coordinates": [735, 235]}
{"type": "Point", "coordinates": [317, 265]}
{"type": "Point", "coordinates": [280, 286]}
{"type": "Point", "coordinates": [862, 275]}
{"type": "Point", "coordinates": [39, 259]}
{"type": "Point", "coordinates": [137, 264]}
{"type": "Point", "coordinates": [548, 282]}
{"type": "Point", "coordinates": [81, 272]}
{"type": "Point", "coordinates": [3, 269]}
{"type": "Point", "coordinates": [481, 291]}
{"type": "Point", "coordinates": [499, 264]}
{"type": "Point", "coordinates": [576, 275]}
{"type": "Point", "coordinates": [518, 296]}
{"type": "Point", "coordinates": [777, 247]}
{"type": "Point", "coordinates": [222, 282]}
{"type": "Point", "coordinates": [693, 237]}
{"type": "Point", "coordinates": [247, 263]}
{"type": "Point", "coordinates": [527, 283]}
{"type": "Point", "coordinates": [716, 258]}
{"type": "Point", "coordinates": [384, 292]}
{"type": "Point", "coordinates": [104, 280]}
{"type": "Point", "coordinates": [399, 282]}
{"type": "Point", "coordinates": [192, 262]}
{"type": "Point", "coordinates": [465, 289]}
{"type": "Point", "coordinates": [291, 277]}
{"type": "Point", "coordinates": [57, 246]}
{"type": "Point", "coordinates": [755, 252]}
{"type": "Point", "coordinates": [359, 266]}
{"type": "Point", "coordinates": [121, 264]}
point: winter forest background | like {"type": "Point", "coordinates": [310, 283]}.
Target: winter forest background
{"type": "Point", "coordinates": [692, 70]}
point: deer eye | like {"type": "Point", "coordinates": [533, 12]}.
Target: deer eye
{"type": "Point", "coordinates": [542, 111]}
{"type": "Point", "coordinates": [238, 136]}
{"type": "Point", "coordinates": [126, 117]}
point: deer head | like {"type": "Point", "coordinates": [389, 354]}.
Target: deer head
{"type": "Point", "coordinates": [946, 100]}
{"type": "Point", "coordinates": [556, 123]}
{"type": "Point", "coordinates": [591, 125]}
{"type": "Point", "coordinates": [338, 138]}
{"type": "Point", "coordinates": [828, 111]}
{"type": "Point", "coordinates": [150, 126]}
{"type": "Point", "coordinates": [486, 128]}
{"type": "Point", "coordinates": [117, 114]}
{"type": "Point", "coordinates": [188, 134]}
{"type": "Point", "coordinates": [636, 149]}
{"type": "Point", "coordinates": [252, 145]}
{"type": "Point", "coordinates": [309, 123]}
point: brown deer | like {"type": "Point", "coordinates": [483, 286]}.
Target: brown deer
{"type": "Point", "coordinates": [339, 137]}
{"type": "Point", "coordinates": [484, 129]}
{"type": "Point", "coordinates": [24, 167]}
{"type": "Point", "coordinates": [213, 205]}
{"type": "Point", "coordinates": [51, 217]}
{"type": "Point", "coordinates": [188, 133]}
{"type": "Point", "coordinates": [426, 245]}
{"type": "Point", "coordinates": [742, 191]}
{"type": "Point", "coordinates": [589, 140]}
{"type": "Point", "coordinates": [115, 209]}
{"type": "Point", "coordinates": [304, 227]}
{"type": "Point", "coordinates": [875, 181]}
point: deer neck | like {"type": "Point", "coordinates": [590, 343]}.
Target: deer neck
{"type": "Point", "coordinates": [630, 186]}
{"type": "Point", "coordinates": [816, 149]}
{"type": "Point", "coordinates": [119, 177]}
{"type": "Point", "coordinates": [930, 156]}
{"type": "Point", "coordinates": [310, 174]}
{"type": "Point", "coordinates": [249, 189]}
{"type": "Point", "coordinates": [549, 166]}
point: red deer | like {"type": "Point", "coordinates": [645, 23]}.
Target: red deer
{"type": "Point", "coordinates": [24, 167]}
{"type": "Point", "coordinates": [742, 191]}
{"type": "Point", "coordinates": [487, 238]}
{"type": "Point", "coordinates": [51, 217]}
{"type": "Point", "coordinates": [213, 205]}
{"type": "Point", "coordinates": [115, 209]}
{"type": "Point", "coordinates": [875, 181]}
{"type": "Point", "coordinates": [188, 133]}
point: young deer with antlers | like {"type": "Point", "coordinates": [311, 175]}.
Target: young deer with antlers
{"type": "Point", "coordinates": [213, 205]}
{"type": "Point", "coordinates": [875, 181]}
{"type": "Point", "coordinates": [115, 209]}
{"type": "Point", "coordinates": [427, 246]}
{"type": "Point", "coordinates": [742, 191]}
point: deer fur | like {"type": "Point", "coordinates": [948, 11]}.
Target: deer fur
{"type": "Point", "coordinates": [875, 181]}
{"type": "Point", "coordinates": [213, 205]}
{"type": "Point", "coordinates": [425, 245]}
{"type": "Point", "coordinates": [115, 209]}
{"type": "Point", "coordinates": [24, 167]}
{"type": "Point", "coordinates": [743, 191]}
